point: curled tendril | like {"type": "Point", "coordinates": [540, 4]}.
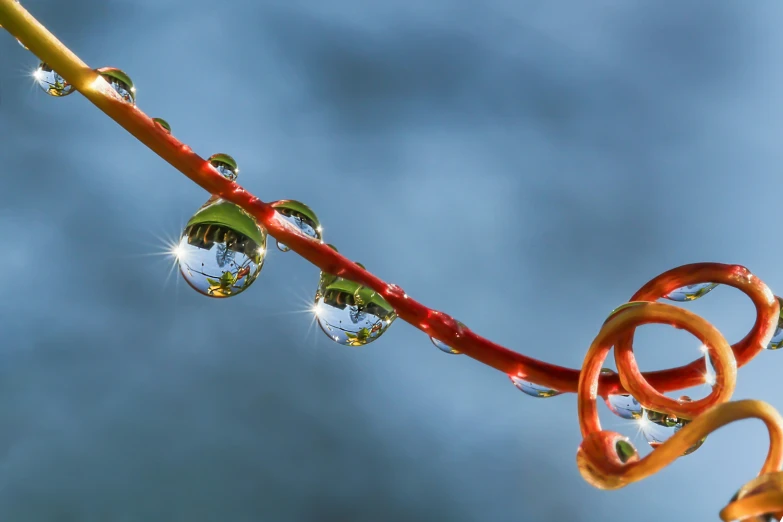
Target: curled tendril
{"type": "Point", "coordinates": [608, 460]}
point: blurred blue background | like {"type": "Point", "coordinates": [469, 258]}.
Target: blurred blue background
{"type": "Point", "coordinates": [524, 166]}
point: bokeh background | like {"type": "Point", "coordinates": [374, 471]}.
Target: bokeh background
{"type": "Point", "coordinates": [522, 165]}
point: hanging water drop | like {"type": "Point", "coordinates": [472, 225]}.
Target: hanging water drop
{"type": "Point", "coordinates": [225, 165]}
{"type": "Point", "coordinates": [690, 292]}
{"type": "Point", "coordinates": [163, 124]}
{"type": "Point", "coordinates": [222, 249]}
{"type": "Point", "coordinates": [120, 82]}
{"type": "Point", "coordinates": [622, 404]}
{"type": "Point", "coordinates": [443, 346]}
{"type": "Point", "coordinates": [52, 83]}
{"type": "Point", "coordinates": [532, 389]}
{"type": "Point", "coordinates": [658, 427]}
{"type": "Point", "coordinates": [299, 215]}
{"type": "Point", "coordinates": [625, 406]}
{"type": "Point", "coordinates": [776, 342]}
{"type": "Point", "coordinates": [349, 313]}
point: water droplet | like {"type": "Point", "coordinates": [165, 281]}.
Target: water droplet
{"type": "Point", "coordinates": [443, 346]}
{"type": "Point", "coordinates": [23, 45]}
{"type": "Point", "coordinates": [624, 406]}
{"type": "Point", "coordinates": [120, 82]}
{"type": "Point", "coordinates": [164, 124]}
{"type": "Point", "coordinates": [659, 427]}
{"type": "Point", "coordinates": [299, 215]}
{"type": "Point", "coordinates": [222, 249]}
{"type": "Point", "coordinates": [776, 342]}
{"type": "Point", "coordinates": [52, 83]}
{"type": "Point", "coordinates": [690, 292]}
{"type": "Point", "coordinates": [625, 450]}
{"type": "Point", "coordinates": [349, 313]}
{"type": "Point", "coordinates": [225, 165]}
{"type": "Point", "coordinates": [532, 389]}
{"type": "Point", "coordinates": [396, 291]}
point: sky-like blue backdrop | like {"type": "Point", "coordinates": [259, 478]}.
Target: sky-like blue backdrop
{"type": "Point", "coordinates": [522, 165]}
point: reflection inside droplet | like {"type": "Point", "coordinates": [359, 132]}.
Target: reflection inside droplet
{"type": "Point", "coordinates": [349, 313]}
{"type": "Point", "coordinates": [690, 292]}
{"type": "Point", "coordinates": [222, 249]}
{"type": "Point", "coordinates": [52, 83]}
{"type": "Point", "coordinates": [658, 427]}
{"type": "Point", "coordinates": [532, 389]}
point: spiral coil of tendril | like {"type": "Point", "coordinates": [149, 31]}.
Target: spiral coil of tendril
{"type": "Point", "coordinates": [608, 460]}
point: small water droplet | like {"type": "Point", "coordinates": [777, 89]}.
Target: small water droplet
{"type": "Point", "coordinates": [607, 371]}
{"type": "Point", "coordinates": [443, 346]}
{"type": "Point", "coordinates": [396, 291]}
{"type": "Point", "coordinates": [690, 292]}
{"type": "Point", "coordinates": [222, 249]}
{"type": "Point", "coordinates": [299, 215]}
{"type": "Point", "coordinates": [532, 389]}
{"type": "Point", "coordinates": [776, 342]}
{"type": "Point", "coordinates": [225, 165]}
{"type": "Point", "coordinates": [120, 82]}
{"type": "Point", "coordinates": [625, 450]}
{"type": "Point", "coordinates": [659, 427]}
{"type": "Point", "coordinates": [349, 313]}
{"type": "Point", "coordinates": [163, 124]}
{"type": "Point", "coordinates": [625, 406]}
{"type": "Point", "coordinates": [52, 83]}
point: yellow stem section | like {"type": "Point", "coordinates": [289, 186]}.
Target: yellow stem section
{"type": "Point", "coordinates": [42, 43]}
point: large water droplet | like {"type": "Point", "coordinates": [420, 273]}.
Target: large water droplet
{"type": "Point", "coordinates": [163, 124]}
{"type": "Point", "coordinates": [225, 165]}
{"type": "Point", "coordinates": [120, 82]}
{"type": "Point", "coordinates": [52, 83]}
{"type": "Point", "coordinates": [222, 249]}
{"type": "Point", "coordinates": [532, 389]}
{"type": "Point", "coordinates": [776, 342]}
{"type": "Point", "coordinates": [659, 427]}
{"type": "Point", "coordinates": [690, 292]}
{"type": "Point", "coordinates": [349, 313]}
{"type": "Point", "coordinates": [299, 215]}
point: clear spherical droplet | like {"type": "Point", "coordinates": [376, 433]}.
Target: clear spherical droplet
{"type": "Point", "coordinates": [52, 83]}
{"type": "Point", "coordinates": [625, 406]}
{"type": "Point", "coordinates": [625, 450]}
{"type": "Point", "coordinates": [658, 427]}
{"type": "Point", "coordinates": [163, 124]}
{"type": "Point", "coordinates": [222, 249]}
{"type": "Point", "coordinates": [120, 82]}
{"type": "Point", "coordinates": [690, 292]}
{"type": "Point", "coordinates": [776, 342]}
{"type": "Point", "coordinates": [443, 346]}
{"type": "Point", "coordinates": [299, 215]}
{"type": "Point", "coordinates": [349, 313]}
{"type": "Point", "coordinates": [532, 389]}
{"type": "Point", "coordinates": [225, 165]}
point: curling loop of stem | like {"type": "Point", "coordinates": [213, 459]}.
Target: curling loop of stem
{"type": "Point", "coordinates": [597, 456]}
